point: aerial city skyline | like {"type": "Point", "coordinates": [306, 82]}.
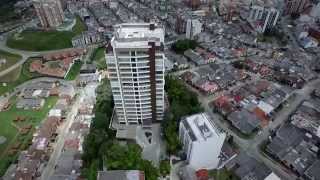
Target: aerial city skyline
{"type": "Point", "coordinates": [160, 90]}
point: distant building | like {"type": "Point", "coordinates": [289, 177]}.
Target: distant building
{"type": "Point", "coordinates": [87, 38]}
{"type": "Point", "coordinates": [163, 7]}
{"type": "Point", "coordinates": [135, 60]}
{"type": "Point", "coordinates": [194, 27]}
{"type": "Point", "coordinates": [30, 103]}
{"type": "Point", "coordinates": [194, 4]}
{"type": "Point", "coordinates": [194, 57]}
{"type": "Point", "coordinates": [121, 175]}
{"type": "Point", "coordinates": [263, 17]}
{"type": "Point", "coordinates": [246, 167]}
{"type": "Point", "coordinates": [296, 6]}
{"type": "Point", "coordinates": [180, 24]}
{"type": "Point", "coordinates": [50, 12]}
{"type": "Point", "coordinates": [202, 141]}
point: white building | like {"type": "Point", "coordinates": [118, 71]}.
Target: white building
{"type": "Point", "coordinates": [194, 27]}
{"type": "Point", "coordinates": [135, 61]}
{"type": "Point", "coordinates": [315, 12]}
{"type": "Point", "coordinates": [202, 141]}
{"type": "Point", "coordinates": [263, 18]}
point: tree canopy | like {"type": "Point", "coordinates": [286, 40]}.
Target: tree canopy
{"type": "Point", "coordinates": [182, 102]}
{"type": "Point", "coordinates": [182, 45]}
{"type": "Point", "coordinates": [100, 147]}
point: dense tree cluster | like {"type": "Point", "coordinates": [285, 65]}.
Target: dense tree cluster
{"type": "Point", "coordinates": [182, 45]}
{"type": "Point", "coordinates": [182, 102]}
{"type": "Point", "coordinates": [99, 135]}
{"type": "Point", "coordinates": [101, 149]}
{"type": "Point", "coordinates": [164, 167]}
{"type": "Point", "coordinates": [129, 157]}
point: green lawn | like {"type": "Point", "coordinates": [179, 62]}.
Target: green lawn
{"type": "Point", "coordinates": [45, 40]}
{"type": "Point", "coordinates": [19, 75]}
{"type": "Point", "coordinates": [222, 174]}
{"type": "Point", "coordinates": [33, 117]}
{"type": "Point", "coordinates": [79, 27]}
{"type": "Point", "coordinates": [99, 58]}
{"type": "Point", "coordinates": [11, 59]}
{"type": "Point", "coordinates": [74, 71]}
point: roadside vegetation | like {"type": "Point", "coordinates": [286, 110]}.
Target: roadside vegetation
{"type": "Point", "coordinates": [222, 174]}
{"type": "Point", "coordinates": [36, 40]}
{"type": "Point", "coordinates": [98, 58]}
{"type": "Point", "coordinates": [182, 102]}
{"type": "Point", "coordinates": [14, 128]}
{"type": "Point", "coordinates": [74, 71]}
{"type": "Point", "coordinates": [165, 167]}
{"type": "Point", "coordinates": [100, 147]}
{"type": "Point", "coordinates": [182, 45]}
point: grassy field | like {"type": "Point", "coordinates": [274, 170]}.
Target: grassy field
{"type": "Point", "coordinates": [11, 76]}
{"type": "Point", "coordinates": [20, 75]}
{"type": "Point", "coordinates": [74, 71]}
{"type": "Point", "coordinates": [222, 174]}
{"type": "Point", "coordinates": [45, 40]}
{"type": "Point", "coordinates": [11, 133]}
{"type": "Point", "coordinates": [11, 59]}
{"type": "Point", "coordinates": [99, 58]}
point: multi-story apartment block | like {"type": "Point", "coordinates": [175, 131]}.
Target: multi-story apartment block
{"type": "Point", "coordinates": [296, 6]}
{"type": "Point", "coordinates": [263, 16]}
{"type": "Point", "coordinates": [194, 27]}
{"type": "Point", "coordinates": [50, 12]}
{"type": "Point", "coordinates": [202, 141]}
{"type": "Point", "coordinates": [135, 62]}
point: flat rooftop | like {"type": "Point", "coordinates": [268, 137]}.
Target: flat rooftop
{"type": "Point", "coordinates": [139, 31]}
{"type": "Point", "coordinates": [200, 127]}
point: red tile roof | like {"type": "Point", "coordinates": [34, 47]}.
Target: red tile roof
{"type": "Point", "coordinates": [202, 174]}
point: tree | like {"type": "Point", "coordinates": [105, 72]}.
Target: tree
{"type": "Point", "coordinates": [91, 172]}
{"type": "Point", "coordinates": [100, 147]}
{"type": "Point", "coordinates": [183, 102]}
{"type": "Point", "coordinates": [165, 168]}
{"type": "Point", "coordinates": [129, 158]}
{"type": "Point", "coordinates": [182, 45]}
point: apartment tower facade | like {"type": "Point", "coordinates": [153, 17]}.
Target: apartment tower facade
{"type": "Point", "coordinates": [263, 18]}
{"type": "Point", "coordinates": [296, 6]}
{"type": "Point", "coordinates": [135, 62]}
{"type": "Point", "coordinates": [50, 12]}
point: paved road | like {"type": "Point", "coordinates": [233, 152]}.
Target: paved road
{"type": "Point", "coordinates": [63, 132]}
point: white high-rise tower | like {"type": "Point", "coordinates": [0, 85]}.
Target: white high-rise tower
{"type": "Point", "coordinates": [135, 62]}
